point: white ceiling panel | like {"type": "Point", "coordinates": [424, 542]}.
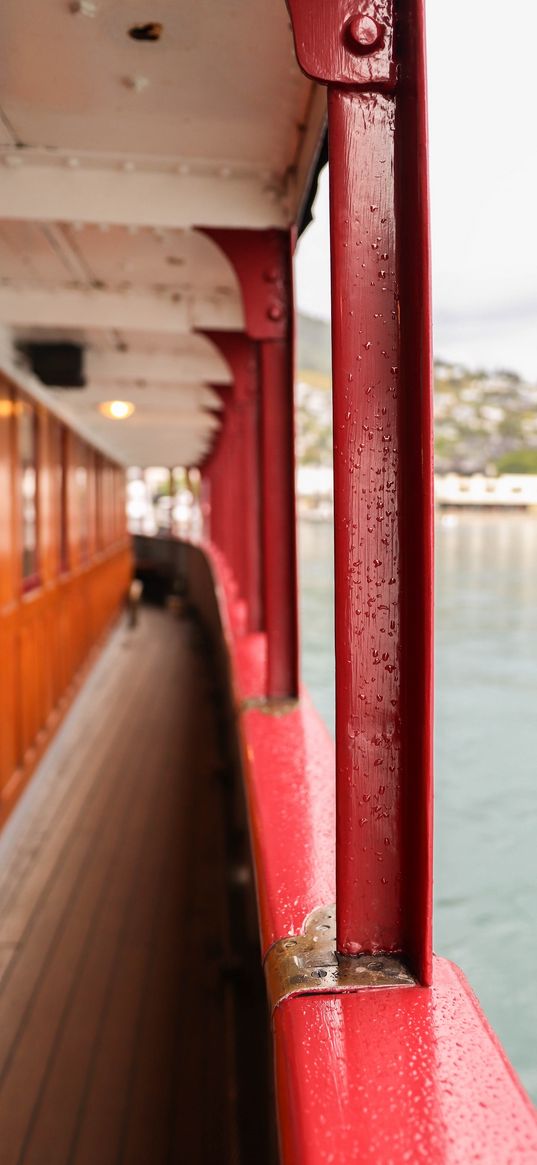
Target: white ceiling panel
{"type": "Point", "coordinates": [58, 255]}
{"type": "Point", "coordinates": [118, 137]}
{"type": "Point", "coordinates": [152, 258]}
{"type": "Point", "coordinates": [220, 83]}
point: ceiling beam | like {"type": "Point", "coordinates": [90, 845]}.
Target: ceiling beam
{"type": "Point", "coordinates": [197, 363]}
{"type": "Point", "coordinates": [55, 193]}
{"type": "Point", "coordinates": [140, 311]}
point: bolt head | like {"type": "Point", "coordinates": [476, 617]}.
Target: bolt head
{"type": "Point", "coordinates": [137, 82]}
{"type": "Point", "coordinates": [271, 275]}
{"type": "Point", "coordinates": [83, 7]}
{"type": "Point", "coordinates": [275, 312]}
{"type": "Point", "coordinates": [364, 34]}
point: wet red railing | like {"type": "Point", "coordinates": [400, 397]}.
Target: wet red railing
{"type": "Point", "coordinates": [381, 1074]}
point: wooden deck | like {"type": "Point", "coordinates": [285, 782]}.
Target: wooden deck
{"type": "Point", "coordinates": [114, 1024]}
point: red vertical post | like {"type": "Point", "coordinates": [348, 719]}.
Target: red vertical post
{"type": "Point", "coordinates": [172, 498]}
{"type": "Point", "coordinates": [382, 467]}
{"type": "Point", "coordinates": [252, 491]}
{"type": "Point", "coordinates": [205, 498]}
{"type": "Point", "coordinates": [240, 354]}
{"type": "Point", "coordinates": [221, 471]}
{"type": "Point", "coordinates": [279, 520]}
{"type": "Point", "coordinates": [211, 473]}
{"type": "Point", "coordinates": [207, 474]}
{"type": "Point", "coordinates": [263, 263]}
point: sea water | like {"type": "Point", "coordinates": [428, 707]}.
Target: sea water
{"type": "Point", "coordinates": [486, 752]}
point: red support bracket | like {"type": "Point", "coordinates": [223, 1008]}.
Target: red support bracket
{"type": "Point", "coordinates": [382, 466]}
{"type": "Point", "coordinates": [351, 44]}
{"type": "Point", "coordinates": [262, 261]}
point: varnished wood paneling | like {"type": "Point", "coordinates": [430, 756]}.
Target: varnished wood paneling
{"type": "Point", "coordinates": [49, 626]}
{"type": "Point", "coordinates": [9, 751]}
{"type": "Point", "coordinates": [8, 588]}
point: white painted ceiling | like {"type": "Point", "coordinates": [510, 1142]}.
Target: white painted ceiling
{"type": "Point", "coordinates": [113, 151]}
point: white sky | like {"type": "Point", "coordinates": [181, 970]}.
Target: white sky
{"type": "Point", "coordinates": [483, 167]}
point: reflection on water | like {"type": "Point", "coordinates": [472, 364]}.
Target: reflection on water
{"type": "Point", "coordinates": [486, 750]}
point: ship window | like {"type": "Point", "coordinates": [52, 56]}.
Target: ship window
{"type": "Point", "coordinates": [62, 500]}
{"type": "Point", "coordinates": [28, 495]}
{"type": "Point", "coordinates": [99, 533]}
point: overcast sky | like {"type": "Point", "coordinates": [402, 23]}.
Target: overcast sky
{"type": "Point", "coordinates": [483, 166]}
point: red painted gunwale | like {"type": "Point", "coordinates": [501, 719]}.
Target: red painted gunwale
{"type": "Point", "coordinates": [391, 1075]}
{"type": "Point", "coordinates": [398, 1075]}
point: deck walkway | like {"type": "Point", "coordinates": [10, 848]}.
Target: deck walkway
{"type": "Point", "coordinates": [113, 1029]}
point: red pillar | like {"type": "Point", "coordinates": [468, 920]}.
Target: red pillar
{"type": "Point", "coordinates": [219, 471]}
{"type": "Point", "coordinates": [279, 521]}
{"type": "Point", "coordinates": [382, 467]}
{"type": "Point", "coordinates": [240, 354]}
{"type": "Point", "coordinates": [263, 264]}
{"type": "Point", "coordinates": [205, 498]}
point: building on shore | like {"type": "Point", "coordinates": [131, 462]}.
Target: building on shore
{"type": "Point", "coordinates": [315, 492]}
{"type": "Point", "coordinates": [314, 485]}
{"type": "Point", "coordinates": [506, 491]}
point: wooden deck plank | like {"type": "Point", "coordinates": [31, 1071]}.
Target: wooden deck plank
{"type": "Point", "coordinates": [99, 1128]}
{"type": "Point", "coordinates": [103, 1014]}
{"type": "Point", "coordinates": [40, 811]}
{"type": "Point", "coordinates": [53, 907]}
{"type": "Point", "coordinates": [56, 802]}
{"type": "Point", "coordinates": [70, 922]}
{"type": "Point", "coordinates": [165, 1120]}
{"type": "Point", "coordinates": [109, 868]}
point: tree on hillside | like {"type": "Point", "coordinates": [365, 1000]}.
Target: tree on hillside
{"type": "Point", "coordinates": [518, 461]}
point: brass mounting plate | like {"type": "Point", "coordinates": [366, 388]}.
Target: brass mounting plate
{"type": "Point", "coordinates": [269, 707]}
{"type": "Point", "coordinates": [308, 963]}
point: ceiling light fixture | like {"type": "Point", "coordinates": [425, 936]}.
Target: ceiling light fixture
{"type": "Point", "coordinates": [116, 410]}
{"type": "Point", "coordinates": [10, 408]}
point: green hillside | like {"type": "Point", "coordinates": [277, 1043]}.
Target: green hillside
{"type": "Point", "coordinates": [484, 421]}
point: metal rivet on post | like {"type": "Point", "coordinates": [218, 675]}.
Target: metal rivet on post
{"type": "Point", "coordinates": [364, 34]}
{"type": "Point", "coordinates": [275, 312]}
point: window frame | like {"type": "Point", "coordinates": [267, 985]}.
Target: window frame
{"type": "Point", "coordinates": [31, 581]}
